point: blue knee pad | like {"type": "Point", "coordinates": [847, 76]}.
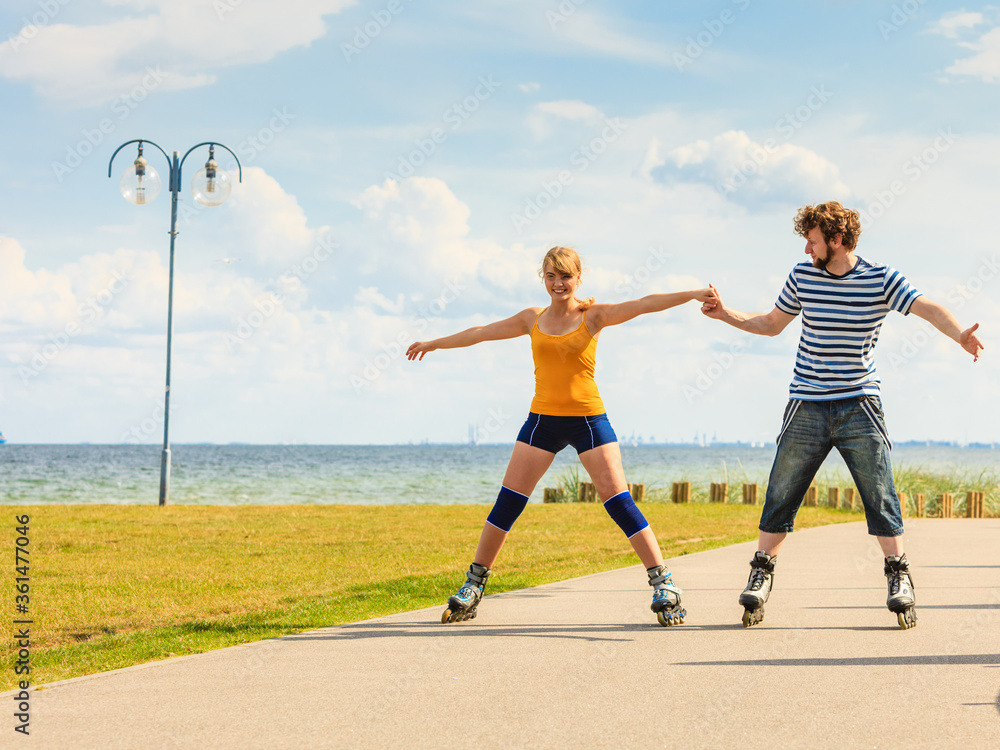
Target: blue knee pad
{"type": "Point", "coordinates": [623, 511]}
{"type": "Point", "coordinates": [507, 508]}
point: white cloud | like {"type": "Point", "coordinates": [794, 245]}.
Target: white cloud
{"type": "Point", "coordinates": [543, 118]}
{"type": "Point", "coordinates": [652, 159]}
{"type": "Point", "coordinates": [120, 292]}
{"type": "Point", "coordinates": [951, 24]}
{"type": "Point", "coordinates": [27, 296]}
{"type": "Point", "coordinates": [596, 32]}
{"type": "Point", "coordinates": [266, 222]}
{"type": "Point", "coordinates": [417, 241]}
{"type": "Point", "coordinates": [530, 87]}
{"type": "Point", "coordinates": [749, 173]}
{"type": "Point", "coordinates": [179, 41]}
{"type": "Point", "coordinates": [562, 29]}
{"type": "Point", "coordinates": [985, 63]}
{"type": "Point", "coordinates": [368, 296]}
{"type": "Point", "coordinates": [570, 109]}
{"type": "Point", "coordinates": [93, 331]}
{"type": "Point", "coordinates": [420, 212]}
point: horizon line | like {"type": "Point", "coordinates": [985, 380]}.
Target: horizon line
{"type": "Point", "coordinates": [421, 443]}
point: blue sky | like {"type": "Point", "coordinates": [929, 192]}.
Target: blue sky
{"type": "Point", "coordinates": [405, 167]}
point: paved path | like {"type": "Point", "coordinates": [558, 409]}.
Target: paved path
{"type": "Point", "coordinates": [582, 664]}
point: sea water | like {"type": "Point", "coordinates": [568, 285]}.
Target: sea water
{"type": "Point", "coordinates": [380, 474]}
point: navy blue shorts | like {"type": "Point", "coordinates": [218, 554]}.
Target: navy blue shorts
{"type": "Point", "coordinates": [552, 434]}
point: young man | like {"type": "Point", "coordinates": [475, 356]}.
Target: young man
{"type": "Point", "coordinates": [834, 394]}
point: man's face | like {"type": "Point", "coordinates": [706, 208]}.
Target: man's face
{"type": "Point", "coordinates": [816, 248]}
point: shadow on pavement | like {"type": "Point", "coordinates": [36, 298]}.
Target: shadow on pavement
{"type": "Point", "coordinates": [581, 632]}
{"type": "Point", "coordinates": [433, 629]}
{"type": "Point", "coordinates": [924, 606]}
{"type": "Point", "coordinates": [862, 661]}
{"type": "Point", "coordinates": [995, 704]}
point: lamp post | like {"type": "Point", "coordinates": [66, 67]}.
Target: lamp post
{"type": "Point", "coordinates": [140, 184]}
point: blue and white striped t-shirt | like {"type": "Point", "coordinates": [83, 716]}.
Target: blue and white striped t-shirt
{"type": "Point", "coordinates": [841, 318]}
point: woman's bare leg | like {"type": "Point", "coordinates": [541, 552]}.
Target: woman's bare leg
{"type": "Point", "coordinates": [604, 464]}
{"type": "Point", "coordinates": [526, 466]}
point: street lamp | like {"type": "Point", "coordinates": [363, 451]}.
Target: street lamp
{"type": "Point", "coordinates": [140, 184]}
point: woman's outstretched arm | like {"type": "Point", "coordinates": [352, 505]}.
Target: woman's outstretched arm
{"type": "Point", "coordinates": [512, 327]}
{"type": "Point", "coordinates": [604, 315]}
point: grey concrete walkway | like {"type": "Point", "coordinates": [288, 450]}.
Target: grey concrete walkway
{"type": "Point", "coordinates": [583, 664]}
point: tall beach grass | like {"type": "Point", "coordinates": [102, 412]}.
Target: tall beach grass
{"type": "Point", "coordinates": [957, 480]}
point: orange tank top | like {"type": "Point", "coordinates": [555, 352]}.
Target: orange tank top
{"type": "Point", "coordinates": [564, 373]}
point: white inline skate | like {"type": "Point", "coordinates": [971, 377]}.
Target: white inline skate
{"type": "Point", "coordinates": [901, 599]}
{"type": "Point", "coordinates": [758, 588]}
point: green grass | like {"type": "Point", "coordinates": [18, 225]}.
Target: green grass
{"type": "Point", "coordinates": [958, 481]}
{"type": "Point", "coordinates": [113, 586]}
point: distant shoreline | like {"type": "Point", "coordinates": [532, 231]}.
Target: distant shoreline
{"type": "Point", "coordinates": [625, 442]}
{"type": "Point", "coordinates": [390, 474]}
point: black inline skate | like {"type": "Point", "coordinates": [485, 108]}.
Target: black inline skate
{"type": "Point", "coordinates": [901, 599]}
{"type": "Point", "coordinates": [463, 605]}
{"type": "Point", "coordinates": [758, 588]}
{"type": "Point", "coordinates": [666, 597]}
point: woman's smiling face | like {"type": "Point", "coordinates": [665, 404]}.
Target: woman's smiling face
{"type": "Point", "coordinates": [560, 286]}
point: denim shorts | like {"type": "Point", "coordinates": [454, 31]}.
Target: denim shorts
{"type": "Point", "coordinates": [552, 434]}
{"type": "Point", "coordinates": [810, 429]}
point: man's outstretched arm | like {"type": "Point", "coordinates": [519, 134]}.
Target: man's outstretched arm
{"type": "Point", "coordinates": [764, 324]}
{"type": "Point", "coordinates": [939, 317]}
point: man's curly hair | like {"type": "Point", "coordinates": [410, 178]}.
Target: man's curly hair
{"type": "Point", "coordinates": [832, 219]}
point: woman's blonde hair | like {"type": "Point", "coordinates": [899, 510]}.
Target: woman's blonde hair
{"type": "Point", "coordinates": [565, 260]}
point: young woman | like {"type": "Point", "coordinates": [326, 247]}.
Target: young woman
{"type": "Point", "coordinates": [566, 410]}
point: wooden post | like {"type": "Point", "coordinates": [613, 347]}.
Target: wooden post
{"type": "Point", "coordinates": [947, 503]}
{"type": "Point", "coordinates": [920, 499]}
{"type": "Point", "coordinates": [718, 492]}
{"type": "Point", "coordinates": [552, 495]}
{"type": "Point", "coordinates": [750, 494]}
{"type": "Point", "coordinates": [637, 491]}
{"type": "Point", "coordinates": [974, 504]}
{"type": "Point", "coordinates": [681, 492]}
{"type": "Point", "coordinates": [849, 498]}
{"type": "Point", "coordinates": [588, 492]}
{"type": "Point", "coordinates": [904, 503]}
{"type": "Point", "coordinates": [833, 497]}
{"type": "Point", "coordinates": [812, 496]}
